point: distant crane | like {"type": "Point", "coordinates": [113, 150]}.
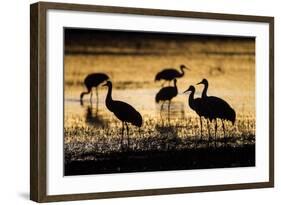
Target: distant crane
{"type": "Point", "coordinates": [200, 107]}
{"type": "Point", "coordinates": [170, 74]}
{"type": "Point", "coordinates": [123, 111]}
{"type": "Point", "coordinates": [167, 94]}
{"type": "Point", "coordinates": [219, 109]}
{"type": "Point", "coordinates": [93, 80]}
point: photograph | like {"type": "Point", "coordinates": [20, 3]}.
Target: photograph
{"type": "Point", "coordinates": [143, 101]}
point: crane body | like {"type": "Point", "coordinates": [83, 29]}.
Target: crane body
{"type": "Point", "coordinates": [123, 111]}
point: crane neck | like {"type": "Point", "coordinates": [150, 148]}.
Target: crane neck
{"type": "Point", "coordinates": [204, 92]}
{"type": "Point", "coordinates": [175, 85]}
{"type": "Point", "coordinates": [191, 99]}
{"type": "Point", "coordinates": [108, 100]}
{"type": "Point", "coordinates": [84, 93]}
{"type": "Point", "coordinates": [182, 71]}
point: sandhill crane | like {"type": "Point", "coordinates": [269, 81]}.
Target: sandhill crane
{"type": "Point", "coordinates": [93, 80]}
{"type": "Point", "coordinates": [123, 111]}
{"type": "Point", "coordinates": [167, 94]}
{"type": "Point", "coordinates": [219, 109]}
{"type": "Point", "coordinates": [170, 74]}
{"type": "Point", "coordinates": [199, 106]}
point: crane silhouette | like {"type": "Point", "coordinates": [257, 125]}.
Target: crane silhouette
{"type": "Point", "coordinates": [123, 111]}
{"type": "Point", "coordinates": [219, 109]}
{"type": "Point", "coordinates": [170, 74]}
{"type": "Point", "coordinates": [93, 80]}
{"type": "Point", "coordinates": [167, 94]}
{"type": "Point", "coordinates": [200, 107]}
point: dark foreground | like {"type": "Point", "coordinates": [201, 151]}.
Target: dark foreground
{"type": "Point", "coordinates": [140, 161]}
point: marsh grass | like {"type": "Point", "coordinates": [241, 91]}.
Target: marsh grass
{"type": "Point", "coordinates": [87, 141]}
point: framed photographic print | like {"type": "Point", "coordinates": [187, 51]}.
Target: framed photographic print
{"type": "Point", "coordinates": [134, 102]}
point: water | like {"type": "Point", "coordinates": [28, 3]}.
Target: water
{"type": "Point", "coordinates": [133, 81]}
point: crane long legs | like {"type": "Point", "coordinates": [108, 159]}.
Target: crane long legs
{"type": "Point", "coordinates": [127, 128]}
{"type": "Point", "coordinates": [216, 127]}
{"type": "Point", "coordinates": [90, 90]}
{"type": "Point", "coordinates": [97, 97]}
{"type": "Point", "coordinates": [208, 126]}
{"type": "Point", "coordinates": [223, 132]}
{"type": "Point", "coordinates": [91, 96]}
{"type": "Point", "coordinates": [216, 130]}
{"type": "Point", "coordinates": [169, 105]}
{"type": "Point", "coordinates": [201, 129]}
{"type": "Point", "coordinates": [122, 135]}
{"type": "Point", "coordinates": [162, 106]}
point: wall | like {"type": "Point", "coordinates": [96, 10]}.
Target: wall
{"type": "Point", "coordinates": [14, 109]}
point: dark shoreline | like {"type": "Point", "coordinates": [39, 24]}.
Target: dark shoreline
{"type": "Point", "coordinates": [140, 161]}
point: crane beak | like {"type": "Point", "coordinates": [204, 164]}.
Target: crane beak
{"type": "Point", "coordinates": [199, 83]}
{"type": "Point", "coordinates": [186, 68]}
{"type": "Point", "coordinates": [186, 91]}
